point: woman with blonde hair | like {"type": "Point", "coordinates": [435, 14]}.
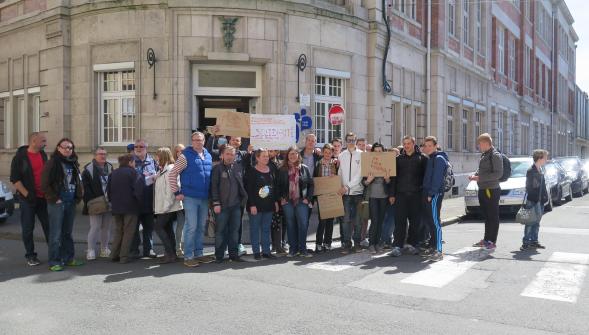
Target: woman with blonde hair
{"type": "Point", "coordinates": [166, 206]}
{"type": "Point", "coordinates": [179, 223]}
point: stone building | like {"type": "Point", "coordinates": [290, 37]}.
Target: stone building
{"type": "Point", "coordinates": [79, 68]}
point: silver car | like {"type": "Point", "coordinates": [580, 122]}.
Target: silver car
{"type": "Point", "coordinates": [512, 191]}
{"type": "Point", "coordinates": [6, 202]}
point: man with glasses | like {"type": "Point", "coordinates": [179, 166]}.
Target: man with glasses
{"type": "Point", "coordinates": [352, 189]}
{"type": "Point", "coordinates": [194, 167]}
{"type": "Point", "coordinates": [25, 175]}
{"type": "Point", "coordinates": [147, 167]}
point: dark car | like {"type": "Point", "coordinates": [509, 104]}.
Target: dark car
{"type": "Point", "coordinates": [559, 183]}
{"type": "Point", "coordinates": [574, 169]}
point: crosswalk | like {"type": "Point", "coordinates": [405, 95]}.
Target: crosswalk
{"type": "Point", "coordinates": [462, 272]}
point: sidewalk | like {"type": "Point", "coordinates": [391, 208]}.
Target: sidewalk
{"type": "Point", "coordinates": [452, 212]}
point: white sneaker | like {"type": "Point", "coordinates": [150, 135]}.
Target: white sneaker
{"type": "Point", "coordinates": [365, 243]}
{"type": "Point", "coordinates": [90, 255]}
{"type": "Point", "coordinates": [241, 250]}
{"type": "Point", "coordinates": [396, 252]}
{"type": "Point", "coordinates": [105, 253]}
{"type": "Point", "coordinates": [372, 250]}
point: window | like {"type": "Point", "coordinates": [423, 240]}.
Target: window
{"type": "Point", "coordinates": [525, 135]}
{"type": "Point", "coordinates": [501, 50]}
{"type": "Point", "coordinates": [477, 125]}
{"type": "Point", "coordinates": [512, 59]}
{"type": "Point", "coordinates": [3, 111]}
{"type": "Point", "coordinates": [511, 135]}
{"type": "Point", "coordinates": [500, 124]}
{"type": "Point", "coordinates": [465, 130]}
{"type": "Point", "coordinates": [466, 22]}
{"type": "Point", "coordinates": [536, 135]}
{"type": "Point", "coordinates": [452, 17]}
{"type": "Point", "coordinates": [117, 108]}
{"type": "Point", "coordinates": [412, 9]}
{"type": "Point", "coordinates": [329, 91]}
{"type": "Point", "coordinates": [450, 130]}
{"type": "Point", "coordinates": [542, 136]}
{"type": "Point", "coordinates": [527, 78]}
{"type": "Point", "coordinates": [479, 43]}
{"type": "Point", "coordinates": [452, 78]}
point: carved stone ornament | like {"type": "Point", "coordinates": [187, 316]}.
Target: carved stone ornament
{"type": "Point", "coordinates": [228, 28]}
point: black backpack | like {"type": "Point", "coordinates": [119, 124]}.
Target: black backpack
{"type": "Point", "coordinates": [506, 167]}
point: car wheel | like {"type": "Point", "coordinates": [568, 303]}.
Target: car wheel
{"type": "Point", "coordinates": [548, 207]}
{"type": "Point", "coordinates": [569, 197]}
{"type": "Point", "coordinates": [557, 199]}
{"type": "Point", "coordinates": [2, 220]}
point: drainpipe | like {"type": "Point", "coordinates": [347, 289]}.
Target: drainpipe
{"type": "Point", "coordinates": [428, 64]}
{"type": "Point", "coordinates": [553, 87]}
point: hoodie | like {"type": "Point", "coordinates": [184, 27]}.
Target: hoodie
{"type": "Point", "coordinates": [435, 170]}
{"type": "Point", "coordinates": [410, 172]}
{"type": "Point", "coordinates": [349, 171]}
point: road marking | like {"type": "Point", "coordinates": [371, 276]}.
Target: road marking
{"type": "Point", "coordinates": [345, 262]}
{"type": "Point", "coordinates": [451, 267]}
{"type": "Point", "coordinates": [519, 228]}
{"type": "Point", "coordinates": [560, 279]}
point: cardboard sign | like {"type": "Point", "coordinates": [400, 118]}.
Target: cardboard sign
{"type": "Point", "coordinates": [273, 132]}
{"type": "Point", "coordinates": [325, 185]}
{"type": "Point", "coordinates": [234, 124]}
{"type": "Point", "coordinates": [378, 163]}
{"type": "Point", "coordinates": [331, 205]}
{"type": "Point", "coordinates": [214, 113]}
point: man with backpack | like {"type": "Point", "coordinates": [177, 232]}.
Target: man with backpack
{"type": "Point", "coordinates": [437, 180]}
{"type": "Point", "coordinates": [488, 176]}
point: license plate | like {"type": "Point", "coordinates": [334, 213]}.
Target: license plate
{"type": "Point", "coordinates": [501, 201]}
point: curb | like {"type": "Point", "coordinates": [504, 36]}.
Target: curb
{"type": "Point", "coordinates": [452, 220]}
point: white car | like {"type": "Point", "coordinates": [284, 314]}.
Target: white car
{"type": "Point", "coordinates": [6, 202]}
{"type": "Point", "coordinates": [512, 191]}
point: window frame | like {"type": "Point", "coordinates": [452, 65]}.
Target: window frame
{"type": "Point", "coordinates": [452, 18]}
{"type": "Point", "coordinates": [450, 110]}
{"type": "Point", "coordinates": [326, 101]}
{"type": "Point", "coordinates": [501, 50]}
{"type": "Point", "coordinates": [118, 95]}
{"type": "Point", "coordinates": [464, 130]}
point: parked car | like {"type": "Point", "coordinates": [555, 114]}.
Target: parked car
{"type": "Point", "coordinates": [574, 169]}
{"type": "Point", "coordinates": [512, 191]}
{"type": "Point", "coordinates": [559, 182]}
{"type": "Point", "coordinates": [6, 202]}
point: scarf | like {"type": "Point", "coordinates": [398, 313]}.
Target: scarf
{"type": "Point", "coordinates": [293, 184]}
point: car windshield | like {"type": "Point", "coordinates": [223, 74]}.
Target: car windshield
{"type": "Point", "coordinates": [519, 169]}
{"type": "Point", "coordinates": [568, 164]}
{"type": "Point", "coordinates": [550, 169]}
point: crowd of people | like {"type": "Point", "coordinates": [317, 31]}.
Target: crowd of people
{"type": "Point", "coordinates": [177, 192]}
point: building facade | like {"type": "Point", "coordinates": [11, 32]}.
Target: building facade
{"type": "Point", "coordinates": [80, 68]}
{"type": "Point", "coordinates": [582, 123]}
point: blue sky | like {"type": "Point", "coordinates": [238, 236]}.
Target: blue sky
{"type": "Point", "coordinates": [581, 26]}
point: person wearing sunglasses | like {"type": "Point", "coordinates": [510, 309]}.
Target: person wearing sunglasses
{"type": "Point", "coordinates": [61, 184]}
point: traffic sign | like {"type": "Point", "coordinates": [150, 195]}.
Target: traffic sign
{"type": "Point", "coordinates": [336, 115]}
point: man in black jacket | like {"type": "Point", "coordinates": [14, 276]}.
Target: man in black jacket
{"type": "Point", "coordinates": [25, 175]}
{"type": "Point", "coordinates": [227, 195]}
{"type": "Point", "coordinates": [405, 192]}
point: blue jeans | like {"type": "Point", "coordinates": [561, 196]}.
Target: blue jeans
{"type": "Point", "coordinates": [196, 212]}
{"type": "Point", "coordinates": [261, 221]}
{"type": "Point", "coordinates": [351, 218]}
{"type": "Point", "coordinates": [297, 223]}
{"type": "Point", "coordinates": [61, 223]}
{"type": "Point", "coordinates": [531, 230]}
{"type": "Point", "coordinates": [226, 231]}
{"type": "Point", "coordinates": [388, 224]}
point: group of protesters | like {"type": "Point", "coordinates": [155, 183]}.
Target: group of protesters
{"type": "Point", "coordinates": [177, 192]}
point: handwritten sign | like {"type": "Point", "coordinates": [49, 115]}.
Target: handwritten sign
{"type": "Point", "coordinates": [273, 132]}
{"type": "Point", "coordinates": [324, 185]}
{"type": "Point", "coordinates": [378, 163]}
{"type": "Point", "coordinates": [234, 124]}
{"type": "Point", "coordinates": [331, 205]}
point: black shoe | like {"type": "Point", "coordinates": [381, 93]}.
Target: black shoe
{"type": "Point", "coordinates": [237, 259]}
{"type": "Point", "coordinates": [33, 261]}
{"type": "Point", "coordinates": [116, 259]}
{"type": "Point", "coordinates": [257, 257]}
{"type": "Point", "coordinates": [219, 260]}
{"type": "Point", "coordinates": [524, 247]}
{"type": "Point", "coordinates": [268, 256]}
{"type": "Point", "coordinates": [537, 245]}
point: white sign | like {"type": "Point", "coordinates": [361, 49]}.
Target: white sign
{"type": "Point", "coordinates": [273, 132]}
{"type": "Point", "coordinates": [305, 99]}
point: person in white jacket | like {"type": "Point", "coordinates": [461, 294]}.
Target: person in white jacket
{"type": "Point", "coordinates": [352, 189]}
{"type": "Point", "coordinates": [166, 206]}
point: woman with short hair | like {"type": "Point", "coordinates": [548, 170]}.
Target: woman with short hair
{"type": "Point", "coordinates": [537, 196]}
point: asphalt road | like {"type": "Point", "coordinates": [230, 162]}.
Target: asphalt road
{"type": "Point", "coordinates": [470, 292]}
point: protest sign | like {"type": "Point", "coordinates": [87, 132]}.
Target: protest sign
{"type": "Point", "coordinates": [234, 124]}
{"type": "Point", "coordinates": [323, 185]}
{"type": "Point", "coordinates": [273, 132]}
{"type": "Point", "coordinates": [378, 163]}
{"type": "Point", "coordinates": [331, 205]}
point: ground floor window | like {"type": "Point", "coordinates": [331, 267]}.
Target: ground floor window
{"type": "Point", "coordinates": [329, 91]}
{"type": "Point", "coordinates": [118, 117]}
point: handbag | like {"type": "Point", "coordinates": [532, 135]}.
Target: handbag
{"type": "Point", "coordinates": [98, 205]}
{"type": "Point", "coordinates": [527, 215]}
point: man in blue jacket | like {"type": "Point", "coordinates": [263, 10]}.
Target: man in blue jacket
{"type": "Point", "coordinates": [194, 167]}
{"type": "Point", "coordinates": [433, 189]}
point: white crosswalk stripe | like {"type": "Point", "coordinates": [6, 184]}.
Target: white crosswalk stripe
{"type": "Point", "coordinates": [560, 279]}
{"type": "Point", "coordinates": [451, 267]}
{"type": "Point", "coordinates": [345, 262]}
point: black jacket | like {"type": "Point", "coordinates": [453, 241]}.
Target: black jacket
{"type": "Point", "coordinates": [92, 183]}
{"type": "Point", "coordinates": [52, 185]}
{"type": "Point", "coordinates": [410, 172]}
{"type": "Point", "coordinates": [21, 170]}
{"type": "Point", "coordinates": [305, 183]}
{"type": "Point", "coordinates": [220, 186]}
{"type": "Point", "coordinates": [536, 185]}
{"type": "Point", "coordinates": [125, 191]}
